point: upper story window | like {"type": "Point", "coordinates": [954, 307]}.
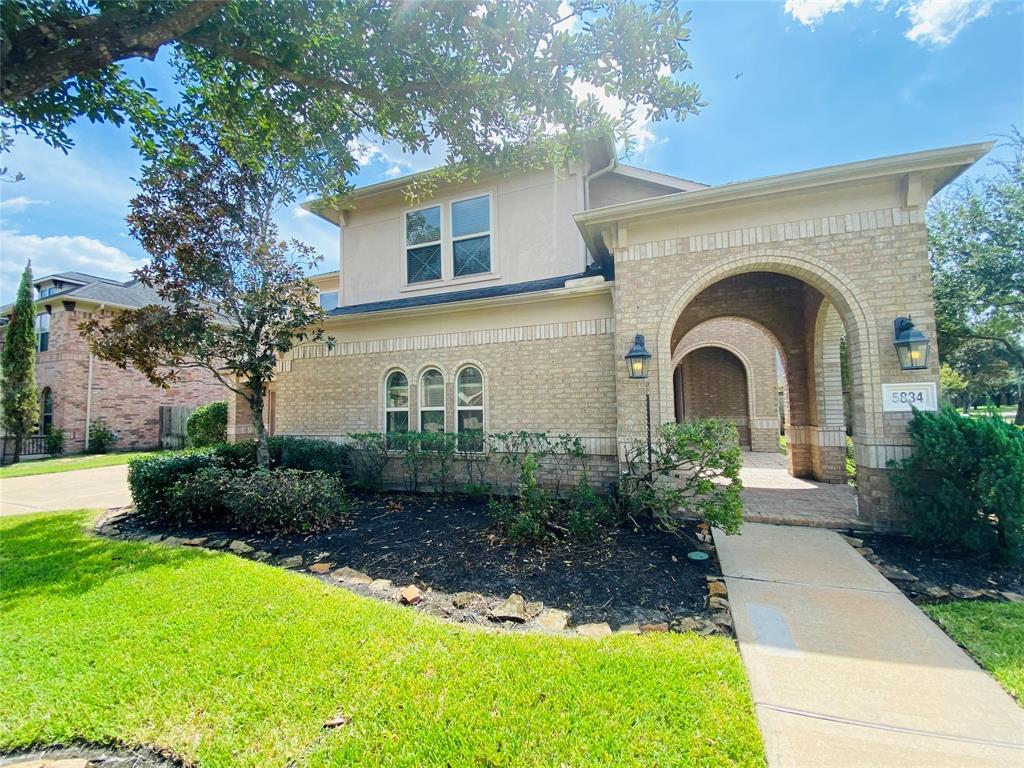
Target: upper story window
{"type": "Point", "coordinates": [47, 291]}
{"type": "Point", "coordinates": [42, 331]}
{"type": "Point", "coordinates": [329, 300]}
{"type": "Point", "coordinates": [471, 236]}
{"type": "Point", "coordinates": [432, 401]}
{"type": "Point", "coordinates": [423, 244]}
{"type": "Point", "coordinates": [396, 403]}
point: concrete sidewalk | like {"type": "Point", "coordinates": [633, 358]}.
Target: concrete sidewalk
{"type": "Point", "coordinates": [845, 671]}
{"type": "Point", "coordinates": [100, 487]}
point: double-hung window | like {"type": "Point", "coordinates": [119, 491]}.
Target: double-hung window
{"type": "Point", "coordinates": [432, 401]}
{"type": "Point", "coordinates": [471, 236]}
{"type": "Point", "coordinates": [396, 404]}
{"type": "Point", "coordinates": [469, 408]}
{"type": "Point", "coordinates": [423, 244]}
{"type": "Point", "coordinates": [42, 331]}
{"type": "Point", "coordinates": [329, 300]}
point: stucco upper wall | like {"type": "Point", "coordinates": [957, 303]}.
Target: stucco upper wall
{"type": "Point", "coordinates": [533, 236]}
{"type": "Point", "coordinates": [838, 199]}
{"type": "Point", "coordinates": [612, 189]}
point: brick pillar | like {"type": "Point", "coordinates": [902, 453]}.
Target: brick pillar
{"type": "Point", "coordinates": [800, 441]}
{"type": "Point", "coordinates": [828, 453]}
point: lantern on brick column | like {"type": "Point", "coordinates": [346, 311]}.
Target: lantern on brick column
{"type": "Point", "coordinates": [638, 359]}
{"type": "Point", "coordinates": [912, 346]}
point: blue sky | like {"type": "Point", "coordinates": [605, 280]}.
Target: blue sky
{"type": "Point", "coordinates": [789, 86]}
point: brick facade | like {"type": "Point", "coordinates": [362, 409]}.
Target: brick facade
{"type": "Point", "coordinates": [124, 398]}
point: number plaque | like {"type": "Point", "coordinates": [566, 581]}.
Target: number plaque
{"type": "Point", "coordinates": [904, 397]}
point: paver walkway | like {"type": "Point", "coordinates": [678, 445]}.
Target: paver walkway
{"type": "Point", "coordinates": [771, 495]}
{"type": "Point", "coordinates": [99, 487]}
{"type": "Point", "coordinates": [846, 671]}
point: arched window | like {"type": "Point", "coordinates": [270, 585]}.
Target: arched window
{"type": "Point", "coordinates": [45, 411]}
{"type": "Point", "coordinates": [469, 408]}
{"type": "Point", "coordinates": [432, 401]}
{"type": "Point", "coordinates": [396, 403]}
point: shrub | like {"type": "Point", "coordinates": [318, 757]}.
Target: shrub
{"type": "Point", "coordinates": [55, 441]}
{"type": "Point", "coordinates": [368, 458]}
{"type": "Point", "coordinates": [531, 513]}
{"type": "Point", "coordinates": [964, 481]}
{"type": "Point", "coordinates": [694, 473]}
{"type": "Point", "coordinates": [286, 452]}
{"type": "Point", "coordinates": [199, 497]}
{"type": "Point", "coordinates": [285, 500]}
{"type": "Point", "coordinates": [469, 448]}
{"type": "Point", "coordinates": [101, 437]}
{"type": "Point", "coordinates": [208, 424]}
{"type": "Point", "coordinates": [152, 480]}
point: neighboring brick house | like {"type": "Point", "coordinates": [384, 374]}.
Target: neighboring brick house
{"type": "Point", "coordinates": [75, 387]}
{"type": "Point", "coordinates": [509, 302]}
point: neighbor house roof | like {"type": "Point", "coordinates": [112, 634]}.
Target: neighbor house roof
{"type": "Point", "coordinates": [97, 290]}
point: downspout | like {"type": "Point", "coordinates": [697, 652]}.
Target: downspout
{"type": "Point", "coordinates": [88, 393]}
{"type": "Point", "coordinates": [612, 162]}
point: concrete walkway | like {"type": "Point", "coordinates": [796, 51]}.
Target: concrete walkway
{"type": "Point", "coordinates": [100, 487]}
{"type": "Point", "coordinates": [845, 671]}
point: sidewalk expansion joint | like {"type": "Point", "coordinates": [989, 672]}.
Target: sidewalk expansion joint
{"type": "Point", "coordinates": [818, 586]}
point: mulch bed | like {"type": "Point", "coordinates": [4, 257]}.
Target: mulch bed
{"type": "Point", "coordinates": [944, 567]}
{"type": "Point", "coordinates": [95, 757]}
{"type": "Point", "coordinates": [620, 576]}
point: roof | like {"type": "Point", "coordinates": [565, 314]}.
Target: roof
{"type": "Point", "coordinates": [76, 277]}
{"type": "Point", "coordinates": [474, 294]}
{"type": "Point", "coordinates": [941, 166]}
{"type": "Point", "coordinates": [654, 177]}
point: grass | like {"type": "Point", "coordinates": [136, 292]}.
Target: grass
{"type": "Point", "coordinates": [228, 662]}
{"type": "Point", "coordinates": [993, 633]}
{"type": "Point", "coordinates": [68, 463]}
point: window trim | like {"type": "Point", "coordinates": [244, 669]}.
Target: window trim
{"type": "Point", "coordinates": [388, 409]}
{"type": "Point", "coordinates": [447, 242]}
{"type": "Point", "coordinates": [483, 401]}
{"type": "Point", "coordinates": [439, 242]}
{"type": "Point", "coordinates": [421, 408]}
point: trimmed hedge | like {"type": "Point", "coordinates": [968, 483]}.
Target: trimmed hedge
{"type": "Point", "coordinates": [964, 482]}
{"type": "Point", "coordinates": [275, 501]}
{"type": "Point", "coordinates": [208, 424]}
{"type": "Point", "coordinates": [220, 485]}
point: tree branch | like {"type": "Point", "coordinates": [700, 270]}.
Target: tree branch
{"type": "Point", "coordinates": [47, 54]}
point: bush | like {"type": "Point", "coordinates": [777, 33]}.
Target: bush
{"type": "Point", "coordinates": [285, 500]}
{"type": "Point", "coordinates": [530, 515]}
{"type": "Point", "coordinates": [193, 486]}
{"type": "Point", "coordinates": [208, 424]}
{"type": "Point", "coordinates": [695, 473]}
{"type": "Point", "coordinates": [964, 481]}
{"type": "Point", "coordinates": [369, 457]}
{"type": "Point", "coordinates": [101, 437]}
{"type": "Point", "coordinates": [152, 481]}
{"type": "Point", "coordinates": [286, 452]}
{"type": "Point", "coordinates": [55, 441]}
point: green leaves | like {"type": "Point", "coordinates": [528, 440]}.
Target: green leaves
{"type": "Point", "coordinates": [18, 363]}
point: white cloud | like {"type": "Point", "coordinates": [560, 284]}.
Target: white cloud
{"type": "Point", "coordinates": [394, 170]}
{"type": "Point", "coordinates": [61, 253]}
{"type": "Point", "coordinates": [568, 21]}
{"type": "Point", "coordinates": [299, 212]}
{"type": "Point", "coordinates": [931, 21]}
{"type": "Point", "coordinates": [939, 21]}
{"type": "Point", "coordinates": [19, 204]}
{"type": "Point", "coordinates": [642, 133]}
{"type": "Point", "coordinates": [810, 12]}
{"type": "Point", "coordinates": [370, 152]}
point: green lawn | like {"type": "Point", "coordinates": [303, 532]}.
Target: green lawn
{"type": "Point", "coordinates": [994, 635]}
{"type": "Point", "coordinates": [229, 662]}
{"type": "Point", "coordinates": [68, 463]}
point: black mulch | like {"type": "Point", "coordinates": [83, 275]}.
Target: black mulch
{"type": "Point", "coordinates": [944, 566]}
{"type": "Point", "coordinates": [95, 757]}
{"type": "Point", "coordinates": [450, 545]}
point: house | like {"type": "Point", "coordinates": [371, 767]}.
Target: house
{"type": "Point", "coordinates": [509, 302]}
{"type": "Point", "coordinates": [76, 388]}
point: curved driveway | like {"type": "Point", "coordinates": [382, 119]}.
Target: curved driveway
{"type": "Point", "coordinates": [100, 487]}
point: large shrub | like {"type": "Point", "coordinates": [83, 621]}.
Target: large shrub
{"type": "Point", "coordinates": [964, 481]}
{"type": "Point", "coordinates": [285, 500]}
{"type": "Point", "coordinates": [101, 437]}
{"type": "Point", "coordinates": [694, 473]}
{"type": "Point", "coordinates": [208, 424]}
{"type": "Point", "coordinates": [152, 480]}
{"type": "Point", "coordinates": [286, 452]}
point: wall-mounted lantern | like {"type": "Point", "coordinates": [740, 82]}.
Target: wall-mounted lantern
{"type": "Point", "coordinates": [912, 346]}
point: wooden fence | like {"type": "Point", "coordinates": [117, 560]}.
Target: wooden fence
{"type": "Point", "coordinates": [173, 420]}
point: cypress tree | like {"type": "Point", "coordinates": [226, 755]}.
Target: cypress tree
{"type": "Point", "coordinates": [18, 364]}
